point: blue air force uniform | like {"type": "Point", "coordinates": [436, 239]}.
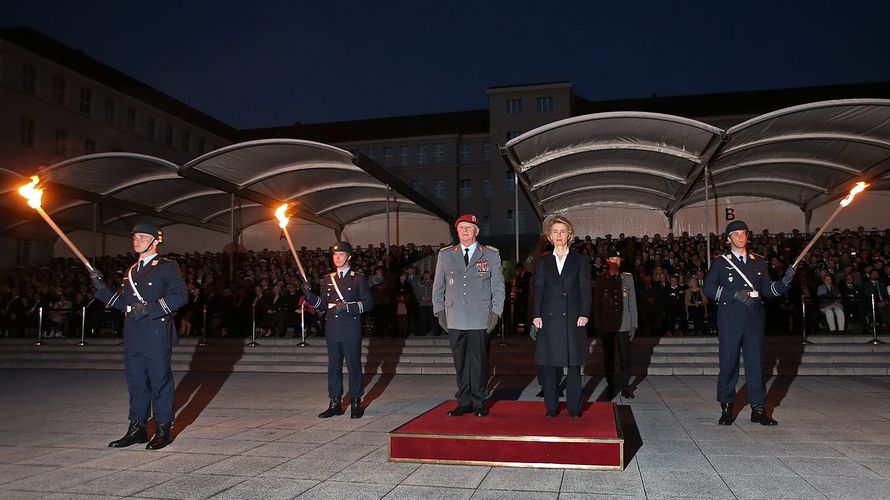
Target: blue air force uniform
{"type": "Point", "coordinates": [148, 340]}
{"type": "Point", "coordinates": [741, 325]}
{"type": "Point", "coordinates": [343, 328]}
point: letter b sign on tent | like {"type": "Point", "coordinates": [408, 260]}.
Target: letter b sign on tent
{"type": "Point", "coordinates": [730, 214]}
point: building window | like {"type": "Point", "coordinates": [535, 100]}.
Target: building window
{"type": "Point", "coordinates": [486, 188]}
{"type": "Point", "coordinates": [201, 145]}
{"type": "Point", "coordinates": [417, 185]}
{"type": "Point", "coordinates": [371, 153]}
{"type": "Point", "coordinates": [131, 119]}
{"type": "Point", "coordinates": [545, 104]}
{"type": "Point", "coordinates": [465, 152]}
{"type": "Point", "coordinates": [150, 128]}
{"type": "Point", "coordinates": [486, 153]}
{"type": "Point", "coordinates": [59, 90]}
{"type": "Point", "coordinates": [466, 188]}
{"type": "Point", "coordinates": [109, 110]}
{"type": "Point", "coordinates": [404, 151]}
{"type": "Point", "coordinates": [186, 141]}
{"type": "Point", "coordinates": [29, 79]}
{"type": "Point", "coordinates": [168, 135]}
{"type": "Point", "coordinates": [387, 155]}
{"type": "Point", "coordinates": [86, 102]}
{"type": "Point", "coordinates": [89, 146]}
{"type": "Point", "coordinates": [27, 133]}
{"type": "Point", "coordinates": [61, 147]}
{"type": "Point", "coordinates": [439, 189]}
{"type": "Point", "coordinates": [486, 224]}
{"type": "Point", "coordinates": [514, 106]}
{"type": "Point", "coordinates": [511, 180]}
{"type": "Point", "coordinates": [438, 152]}
{"type": "Point", "coordinates": [512, 133]}
{"type": "Point", "coordinates": [421, 153]}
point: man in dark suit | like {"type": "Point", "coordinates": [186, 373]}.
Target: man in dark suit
{"type": "Point", "coordinates": [345, 295]}
{"type": "Point", "coordinates": [738, 281]}
{"type": "Point", "coordinates": [615, 318]}
{"type": "Point", "coordinates": [874, 288]}
{"type": "Point", "coordinates": [152, 290]}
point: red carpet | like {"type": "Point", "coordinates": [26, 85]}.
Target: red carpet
{"type": "Point", "coordinates": [515, 433]}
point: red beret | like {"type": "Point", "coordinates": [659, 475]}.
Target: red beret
{"type": "Point", "coordinates": [472, 219]}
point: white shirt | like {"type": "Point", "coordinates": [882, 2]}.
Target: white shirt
{"type": "Point", "coordinates": [472, 249]}
{"type": "Point", "coordinates": [145, 261]}
{"type": "Point", "coordinates": [560, 262]}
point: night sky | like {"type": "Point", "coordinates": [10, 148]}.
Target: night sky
{"type": "Point", "coordinates": [256, 65]}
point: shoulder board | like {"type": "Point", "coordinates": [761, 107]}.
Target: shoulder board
{"type": "Point", "coordinates": [355, 273]}
{"type": "Point", "coordinates": [489, 247]}
{"type": "Point", "coordinates": [154, 262]}
{"type": "Point", "coordinates": [753, 255]}
{"type": "Point", "coordinates": [453, 248]}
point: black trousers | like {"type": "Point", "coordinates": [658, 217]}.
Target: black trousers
{"type": "Point", "coordinates": [470, 351]}
{"type": "Point", "coordinates": [620, 379]}
{"type": "Point", "coordinates": [550, 378]}
{"type": "Point", "coordinates": [351, 351]}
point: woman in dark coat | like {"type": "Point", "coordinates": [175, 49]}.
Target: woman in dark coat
{"type": "Point", "coordinates": [562, 301]}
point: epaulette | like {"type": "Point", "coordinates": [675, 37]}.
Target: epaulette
{"type": "Point", "coordinates": [753, 256]}
{"type": "Point", "coordinates": [489, 247]}
{"type": "Point", "coordinates": [453, 248]}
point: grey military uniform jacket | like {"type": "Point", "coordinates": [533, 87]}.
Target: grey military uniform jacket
{"type": "Point", "coordinates": [467, 294]}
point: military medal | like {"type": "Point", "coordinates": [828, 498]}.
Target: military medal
{"type": "Point", "coordinates": [451, 281]}
{"type": "Point", "coordinates": [482, 266]}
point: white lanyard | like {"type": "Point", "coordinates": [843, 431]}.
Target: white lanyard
{"type": "Point", "coordinates": [336, 288]}
{"type": "Point", "coordinates": [130, 278]}
{"type": "Point", "coordinates": [731, 263]}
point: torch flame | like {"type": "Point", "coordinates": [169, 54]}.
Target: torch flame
{"type": "Point", "coordinates": [30, 192]}
{"type": "Point", "coordinates": [282, 217]}
{"type": "Point", "coordinates": [858, 188]}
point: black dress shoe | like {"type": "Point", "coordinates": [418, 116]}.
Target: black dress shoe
{"type": "Point", "coordinates": [726, 414]}
{"type": "Point", "coordinates": [480, 412]}
{"type": "Point", "coordinates": [333, 409]}
{"type": "Point", "coordinates": [356, 410]}
{"type": "Point", "coordinates": [135, 434]}
{"type": "Point", "coordinates": [551, 413]}
{"type": "Point", "coordinates": [758, 416]}
{"type": "Point", "coordinates": [459, 410]}
{"type": "Point", "coordinates": [162, 437]}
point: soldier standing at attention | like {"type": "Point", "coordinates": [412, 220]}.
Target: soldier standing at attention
{"type": "Point", "coordinates": [737, 282]}
{"type": "Point", "coordinates": [345, 295]}
{"type": "Point", "coordinates": [152, 290]}
{"type": "Point", "coordinates": [468, 299]}
{"type": "Point", "coordinates": [615, 318]}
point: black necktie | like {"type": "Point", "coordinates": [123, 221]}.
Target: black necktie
{"type": "Point", "coordinates": [466, 256]}
{"type": "Point", "coordinates": [141, 265]}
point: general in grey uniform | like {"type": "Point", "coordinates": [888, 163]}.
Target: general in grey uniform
{"type": "Point", "coordinates": [468, 299]}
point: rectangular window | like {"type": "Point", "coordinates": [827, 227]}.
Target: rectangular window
{"type": "Point", "coordinates": [466, 188]}
{"type": "Point", "coordinates": [486, 224]}
{"type": "Point", "coordinates": [131, 119]}
{"type": "Point", "coordinates": [421, 153]}
{"type": "Point", "coordinates": [545, 104]}
{"type": "Point", "coordinates": [29, 79]}
{"type": "Point", "coordinates": [511, 180]}
{"type": "Point", "coordinates": [109, 110]}
{"type": "Point", "coordinates": [404, 152]}
{"type": "Point", "coordinates": [465, 153]}
{"type": "Point", "coordinates": [486, 188]}
{"type": "Point", "coordinates": [86, 102]}
{"type": "Point", "coordinates": [60, 88]}
{"type": "Point", "coordinates": [371, 153]}
{"type": "Point", "coordinates": [150, 128]}
{"type": "Point", "coordinates": [512, 133]}
{"type": "Point", "coordinates": [439, 189]}
{"type": "Point", "coordinates": [168, 135]}
{"type": "Point", "coordinates": [186, 141]}
{"type": "Point", "coordinates": [89, 146]}
{"type": "Point", "coordinates": [27, 133]}
{"type": "Point", "coordinates": [417, 185]}
{"type": "Point", "coordinates": [201, 146]}
{"type": "Point", "coordinates": [486, 153]}
{"type": "Point", "coordinates": [61, 147]}
{"type": "Point", "coordinates": [438, 152]}
{"type": "Point", "coordinates": [387, 155]}
{"type": "Point", "coordinates": [514, 106]}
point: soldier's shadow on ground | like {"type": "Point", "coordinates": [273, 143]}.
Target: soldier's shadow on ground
{"type": "Point", "coordinates": [209, 369]}
{"type": "Point", "coordinates": [382, 359]}
{"type": "Point", "coordinates": [781, 363]}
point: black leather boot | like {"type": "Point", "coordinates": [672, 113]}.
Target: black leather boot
{"type": "Point", "coordinates": [162, 437]}
{"type": "Point", "coordinates": [333, 409]}
{"type": "Point", "coordinates": [135, 434]}
{"type": "Point", "coordinates": [758, 416]}
{"type": "Point", "coordinates": [356, 411]}
{"type": "Point", "coordinates": [726, 415]}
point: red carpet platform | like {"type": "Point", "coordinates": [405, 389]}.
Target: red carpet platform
{"type": "Point", "coordinates": [514, 434]}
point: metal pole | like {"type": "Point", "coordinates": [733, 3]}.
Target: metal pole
{"type": "Point", "coordinates": [39, 326]}
{"type": "Point", "coordinates": [302, 326]}
{"type": "Point", "coordinates": [707, 226]}
{"type": "Point", "coordinates": [874, 324]}
{"type": "Point", "coordinates": [388, 191]}
{"type": "Point", "coordinates": [95, 225]}
{"type": "Point", "coordinates": [83, 326]}
{"type": "Point", "coordinates": [203, 341]}
{"type": "Point", "coordinates": [803, 315]}
{"type": "Point", "coordinates": [516, 213]}
{"type": "Point", "coordinates": [253, 342]}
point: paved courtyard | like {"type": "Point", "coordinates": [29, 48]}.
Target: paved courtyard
{"type": "Point", "coordinates": [257, 436]}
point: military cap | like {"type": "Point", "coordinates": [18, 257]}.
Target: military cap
{"type": "Point", "coordinates": [735, 225]}
{"type": "Point", "coordinates": [148, 228]}
{"type": "Point", "coordinates": [342, 246]}
{"type": "Point", "coordinates": [472, 219]}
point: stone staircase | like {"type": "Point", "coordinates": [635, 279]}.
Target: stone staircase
{"type": "Point", "coordinates": [826, 355]}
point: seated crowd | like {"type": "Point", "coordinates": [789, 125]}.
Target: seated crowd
{"type": "Point", "coordinates": [229, 293]}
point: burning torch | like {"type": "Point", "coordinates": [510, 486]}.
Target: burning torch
{"type": "Point", "coordinates": [283, 219]}
{"type": "Point", "coordinates": [33, 194]}
{"type": "Point", "coordinates": [858, 188]}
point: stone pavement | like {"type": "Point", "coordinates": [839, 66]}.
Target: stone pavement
{"type": "Point", "coordinates": [250, 435]}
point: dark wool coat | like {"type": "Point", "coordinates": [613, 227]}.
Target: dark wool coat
{"type": "Point", "coordinates": [559, 299]}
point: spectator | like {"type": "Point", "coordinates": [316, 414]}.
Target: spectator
{"type": "Point", "coordinates": [830, 304]}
